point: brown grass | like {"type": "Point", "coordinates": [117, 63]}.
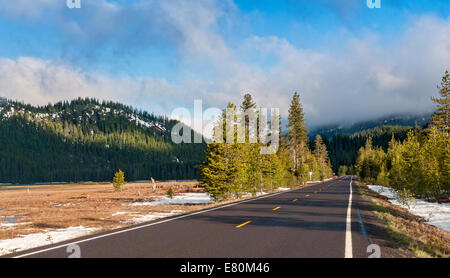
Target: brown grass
{"type": "Point", "coordinates": [90, 205]}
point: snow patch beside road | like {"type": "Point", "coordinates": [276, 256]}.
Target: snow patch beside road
{"type": "Point", "coordinates": [151, 216]}
{"type": "Point", "coordinates": [182, 199]}
{"type": "Point", "coordinates": [435, 214]}
{"type": "Point", "coordinates": [250, 195]}
{"type": "Point", "coordinates": [40, 239]}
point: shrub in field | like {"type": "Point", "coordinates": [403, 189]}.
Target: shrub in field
{"type": "Point", "coordinates": [170, 193]}
{"type": "Point", "coordinates": [119, 180]}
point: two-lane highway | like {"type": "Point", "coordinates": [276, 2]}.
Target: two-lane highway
{"type": "Point", "coordinates": [314, 221]}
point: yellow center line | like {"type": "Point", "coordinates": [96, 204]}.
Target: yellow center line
{"type": "Point", "coordinates": [276, 208]}
{"type": "Point", "coordinates": [295, 200]}
{"type": "Point", "coordinates": [243, 224]}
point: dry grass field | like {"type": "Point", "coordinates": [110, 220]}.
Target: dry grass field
{"type": "Point", "coordinates": [90, 205]}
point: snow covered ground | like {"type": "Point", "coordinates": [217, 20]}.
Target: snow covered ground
{"type": "Point", "coordinates": [151, 216]}
{"type": "Point", "coordinates": [192, 198]}
{"type": "Point", "coordinates": [54, 236]}
{"type": "Point", "coordinates": [309, 182]}
{"type": "Point", "coordinates": [44, 238]}
{"type": "Point", "coordinates": [249, 195]}
{"type": "Point", "coordinates": [435, 214]}
{"type": "Point", "coordinates": [120, 213]}
{"type": "Point", "coordinates": [182, 199]}
{"type": "Point", "coordinates": [8, 226]}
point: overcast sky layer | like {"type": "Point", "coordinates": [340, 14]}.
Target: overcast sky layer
{"type": "Point", "coordinates": [348, 62]}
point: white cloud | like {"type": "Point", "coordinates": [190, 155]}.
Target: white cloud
{"type": "Point", "coordinates": [32, 10]}
{"type": "Point", "coordinates": [40, 81]}
{"type": "Point", "coordinates": [366, 79]}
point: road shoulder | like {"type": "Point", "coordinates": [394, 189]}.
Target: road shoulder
{"type": "Point", "coordinates": [399, 233]}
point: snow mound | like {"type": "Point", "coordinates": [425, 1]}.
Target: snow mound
{"type": "Point", "coordinates": [39, 239]}
{"type": "Point", "coordinates": [121, 213]}
{"type": "Point", "coordinates": [151, 216]}
{"type": "Point", "coordinates": [8, 226]}
{"type": "Point", "coordinates": [250, 195]}
{"type": "Point", "coordinates": [435, 214]}
{"type": "Point", "coordinates": [182, 199]}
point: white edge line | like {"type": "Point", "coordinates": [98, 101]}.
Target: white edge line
{"type": "Point", "coordinates": [154, 223]}
{"type": "Point", "coordinates": [348, 229]}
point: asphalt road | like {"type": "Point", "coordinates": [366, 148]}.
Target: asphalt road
{"type": "Point", "coordinates": [308, 222]}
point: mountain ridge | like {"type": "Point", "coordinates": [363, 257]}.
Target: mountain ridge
{"type": "Point", "coordinates": [86, 139]}
{"type": "Point", "coordinates": [409, 119]}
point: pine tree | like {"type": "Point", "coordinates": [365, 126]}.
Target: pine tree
{"type": "Point", "coordinates": [119, 180]}
{"type": "Point", "coordinates": [297, 136]}
{"type": "Point", "coordinates": [248, 102]}
{"type": "Point", "coordinates": [236, 157]}
{"type": "Point", "coordinates": [170, 193]}
{"type": "Point", "coordinates": [343, 170]}
{"type": "Point", "coordinates": [247, 107]}
{"type": "Point", "coordinates": [232, 169]}
{"type": "Point", "coordinates": [441, 119]}
{"type": "Point", "coordinates": [411, 158]}
{"type": "Point", "coordinates": [215, 172]}
{"type": "Point", "coordinates": [322, 158]}
{"type": "Point", "coordinates": [435, 163]}
{"type": "Point", "coordinates": [370, 161]}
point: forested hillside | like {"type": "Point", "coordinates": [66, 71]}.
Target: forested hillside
{"type": "Point", "coordinates": [329, 131]}
{"type": "Point", "coordinates": [344, 148]}
{"type": "Point", "coordinates": [419, 165]}
{"type": "Point", "coordinates": [85, 140]}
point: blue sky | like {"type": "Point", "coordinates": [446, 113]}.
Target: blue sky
{"type": "Point", "coordinates": [304, 23]}
{"type": "Point", "coordinates": [347, 61]}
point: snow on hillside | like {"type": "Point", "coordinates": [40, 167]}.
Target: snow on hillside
{"type": "Point", "coordinates": [435, 214]}
{"type": "Point", "coordinates": [143, 123]}
{"type": "Point", "coordinates": [8, 112]}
